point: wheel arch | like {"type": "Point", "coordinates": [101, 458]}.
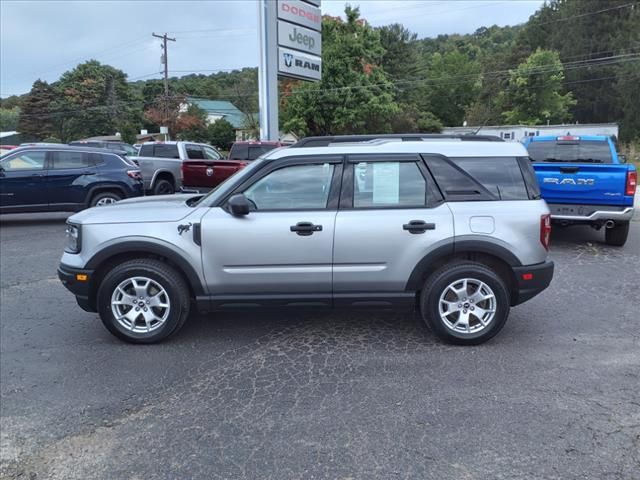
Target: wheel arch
{"type": "Point", "coordinates": [105, 259]}
{"type": "Point", "coordinates": [490, 254]}
{"type": "Point", "coordinates": [93, 191]}
{"type": "Point", "coordinates": [163, 174]}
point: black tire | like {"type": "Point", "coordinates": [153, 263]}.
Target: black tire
{"type": "Point", "coordinates": [440, 280]}
{"type": "Point", "coordinates": [165, 276]}
{"type": "Point", "coordinates": [102, 197]}
{"type": "Point", "coordinates": [617, 236]}
{"type": "Point", "coordinates": [164, 187]}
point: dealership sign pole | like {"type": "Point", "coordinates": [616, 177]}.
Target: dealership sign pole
{"type": "Point", "coordinates": [290, 46]}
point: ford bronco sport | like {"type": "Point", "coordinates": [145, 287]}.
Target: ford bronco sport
{"type": "Point", "coordinates": [452, 226]}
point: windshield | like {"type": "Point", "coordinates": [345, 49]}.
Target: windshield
{"type": "Point", "coordinates": [592, 151]}
{"type": "Point", "coordinates": [223, 188]}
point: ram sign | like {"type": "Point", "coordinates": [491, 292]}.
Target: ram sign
{"type": "Point", "coordinates": [299, 65]}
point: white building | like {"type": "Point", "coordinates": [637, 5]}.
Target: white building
{"type": "Point", "coordinates": [518, 132]}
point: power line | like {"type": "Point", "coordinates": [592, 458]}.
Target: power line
{"type": "Point", "coordinates": [572, 17]}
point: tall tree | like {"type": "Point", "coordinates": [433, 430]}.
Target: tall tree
{"type": "Point", "coordinates": [36, 115]}
{"type": "Point", "coordinates": [354, 95]}
{"type": "Point", "coordinates": [533, 95]}
{"type": "Point", "coordinates": [95, 99]}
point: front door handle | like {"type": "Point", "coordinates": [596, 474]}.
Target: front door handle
{"type": "Point", "coordinates": [305, 228]}
{"type": "Point", "coordinates": [418, 226]}
{"type": "Point", "coordinates": [89, 173]}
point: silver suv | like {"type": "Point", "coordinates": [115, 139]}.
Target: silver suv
{"type": "Point", "coordinates": [452, 226]}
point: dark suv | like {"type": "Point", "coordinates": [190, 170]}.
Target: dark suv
{"type": "Point", "coordinates": [63, 178]}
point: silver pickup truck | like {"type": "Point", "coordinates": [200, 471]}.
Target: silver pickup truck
{"type": "Point", "coordinates": [161, 164]}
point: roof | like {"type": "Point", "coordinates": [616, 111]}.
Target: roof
{"type": "Point", "coordinates": [223, 108]}
{"type": "Point", "coordinates": [405, 137]}
{"type": "Point", "coordinates": [450, 148]}
{"type": "Point", "coordinates": [539, 127]}
{"type": "Point", "coordinates": [62, 147]}
{"type": "Point", "coordinates": [7, 134]}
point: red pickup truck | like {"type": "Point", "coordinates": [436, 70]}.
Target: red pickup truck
{"type": "Point", "coordinates": [213, 172]}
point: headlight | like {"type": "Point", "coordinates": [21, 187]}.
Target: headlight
{"type": "Point", "coordinates": [74, 241]}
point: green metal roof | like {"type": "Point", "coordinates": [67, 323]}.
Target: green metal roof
{"type": "Point", "coordinates": [226, 109]}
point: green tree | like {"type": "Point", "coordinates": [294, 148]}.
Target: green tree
{"type": "Point", "coordinates": [533, 93]}
{"type": "Point", "coordinates": [95, 99]}
{"type": "Point", "coordinates": [354, 95]}
{"type": "Point", "coordinates": [36, 116]}
{"type": "Point", "coordinates": [221, 134]}
{"type": "Point", "coordinates": [451, 85]}
{"type": "Point", "coordinates": [9, 119]}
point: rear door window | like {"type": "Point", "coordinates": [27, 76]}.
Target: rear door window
{"type": "Point", "coordinates": [586, 151]}
{"type": "Point", "coordinates": [388, 184]}
{"type": "Point", "coordinates": [166, 151]}
{"type": "Point", "coordinates": [69, 160]}
{"type": "Point", "coordinates": [500, 175]}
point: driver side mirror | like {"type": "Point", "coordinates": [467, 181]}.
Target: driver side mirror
{"type": "Point", "coordinates": [622, 158]}
{"type": "Point", "coordinates": [239, 205]}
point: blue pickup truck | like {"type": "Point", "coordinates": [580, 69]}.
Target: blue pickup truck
{"type": "Point", "coordinates": [584, 181]}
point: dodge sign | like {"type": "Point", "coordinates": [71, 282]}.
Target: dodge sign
{"type": "Point", "coordinates": [301, 13]}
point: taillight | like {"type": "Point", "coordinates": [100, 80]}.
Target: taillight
{"type": "Point", "coordinates": [632, 182]}
{"type": "Point", "coordinates": [545, 230]}
{"type": "Point", "coordinates": [135, 174]}
{"type": "Point", "coordinates": [182, 169]}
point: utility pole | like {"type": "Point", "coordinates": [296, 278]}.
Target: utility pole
{"type": "Point", "coordinates": [165, 61]}
{"type": "Point", "coordinates": [268, 71]}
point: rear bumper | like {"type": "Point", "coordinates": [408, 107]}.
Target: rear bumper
{"type": "Point", "coordinates": [579, 213]}
{"type": "Point", "coordinates": [539, 277]}
{"type": "Point", "coordinates": [80, 288]}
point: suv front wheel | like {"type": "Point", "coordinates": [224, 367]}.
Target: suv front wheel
{"type": "Point", "coordinates": [143, 301]}
{"type": "Point", "coordinates": [465, 303]}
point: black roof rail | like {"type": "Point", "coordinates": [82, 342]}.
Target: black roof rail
{"type": "Point", "coordinates": [405, 137]}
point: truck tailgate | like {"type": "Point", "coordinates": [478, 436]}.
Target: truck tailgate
{"type": "Point", "coordinates": [591, 184]}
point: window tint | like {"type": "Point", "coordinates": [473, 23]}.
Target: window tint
{"type": "Point", "coordinates": [211, 154]}
{"type": "Point", "coordinates": [257, 150]}
{"type": "Point", "coordinates": [194, 152]}
{"type": "Point", "coordinates": [69, 160]}
{"type": "Point", "coordinates": [239, 151]}
{"type": "Point", "coordinates": [159, 150]}
{"type": "Point", "coordinates": [24, 161]}
{"type": "Point", "coordinates": [388, 184]}
{"type": "Point", "coordinates": [501, 176]}
{"type": "Point", "coordinates": [570, 151]}
{"type": "Point", "coordinates": [453, 182]}
{"type": "Point", "coordinates": [293, 188]}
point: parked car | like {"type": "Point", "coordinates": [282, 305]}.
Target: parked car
{"type": "Point", "coordinates": [456, 227]}
{"type": "Point", "coordinates": [168, 166]}
{"type": "Point", "coordinates": [585, 182]}
{"type": "Point", "coordinates": [119, 147]}
{"type": "Point", "coordinates": [63, 178]}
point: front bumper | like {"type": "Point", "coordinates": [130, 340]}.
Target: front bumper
{"type": "Point", "coordinates": [530, 281]}
{"type": "Point", "coordinates": [78, 282]}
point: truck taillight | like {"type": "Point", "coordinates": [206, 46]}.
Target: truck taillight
{"type": "Point", "coordinates": [182, 167]}
{"type": "Point", "coordinates": [632, 182]}
{"type": "Point", "coordinates": [545, 230]}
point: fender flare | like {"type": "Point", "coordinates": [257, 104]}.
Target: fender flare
{"type": "Point", "coordinates": [148, 247]}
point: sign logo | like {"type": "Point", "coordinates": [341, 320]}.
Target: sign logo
{"type": "Point", "coordinates": [288, 59]}
{"type": "Point", "coordinates": [570, 181]}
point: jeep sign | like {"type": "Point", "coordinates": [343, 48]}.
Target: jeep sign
{"type": "Point", "coordinates": [304, 14]}
{"type": "Point", "coordinates": [299, 65]}
{"type": "Point", "coordinates": [299, 38]}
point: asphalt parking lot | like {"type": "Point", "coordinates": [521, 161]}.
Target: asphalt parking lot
{"type": "Point", "coordinates": [335, 395]}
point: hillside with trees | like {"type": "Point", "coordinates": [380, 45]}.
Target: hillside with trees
{"type": "Point", "coordinates": [573, 61]}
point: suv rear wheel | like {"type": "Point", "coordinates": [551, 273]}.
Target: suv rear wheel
{"type": "Point", "coordinates": [105, 198]}
{"type": "Point", "coordinates": [617, 236]}
{"type": "Point", "coordinates": [465, 303]}
{"type": "Point", "coordinates": [143, 301]}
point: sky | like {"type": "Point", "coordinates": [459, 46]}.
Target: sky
{"type": "Point", "coordinates": [44, 38]}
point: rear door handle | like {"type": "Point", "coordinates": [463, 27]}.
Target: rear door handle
{"type": "Point", "coordinates": [418, 226]}
{"type": "Point", "coordinates": [89, 173]}
{"type": "Point", "coordinates": [305, 228]}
